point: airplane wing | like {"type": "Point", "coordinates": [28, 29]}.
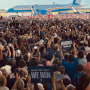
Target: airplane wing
{"type": "Point", "coordinates": [80, 6]}
{"type": "Point", "coordinates": [64, 7]}
{"type": "Point", "coordinates": [51, 9]}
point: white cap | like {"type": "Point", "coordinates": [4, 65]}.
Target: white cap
{"type": "Point", "coordinates": [18, 53]}
{"type": "Point", "coordinates": [88, 37]}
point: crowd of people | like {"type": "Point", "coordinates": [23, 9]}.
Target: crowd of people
{"type": "Point", "coordinates": [36, 42]}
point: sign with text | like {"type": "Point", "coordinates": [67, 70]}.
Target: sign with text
{"type": "Point", "coordinates": [66, 44]}
{"type": "Point", "coordinates": [40, 74]}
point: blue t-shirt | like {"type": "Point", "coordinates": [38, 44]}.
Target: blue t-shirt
{"type": "Point", "coordinates": [42, 33]}
{"type": "Point", "coordinates": [70, 68]}
{"type": "Point", "coordinates": [76, 77]}
{"type": "Point", "coordinates": [50, 86]}
{"type": "Point", "coordinates": [8, 58]}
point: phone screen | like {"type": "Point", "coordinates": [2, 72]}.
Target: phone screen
{"type": "Point", "coordinates": [35, 47]}
{"type": "Point", "coordinates": [58, 77]}
{"type": "Point", "coordinates": [65, 31]}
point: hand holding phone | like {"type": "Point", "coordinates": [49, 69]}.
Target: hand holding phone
{"type": "Point", "coordinates": [58, 77]}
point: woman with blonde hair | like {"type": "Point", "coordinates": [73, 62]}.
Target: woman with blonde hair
{"type": "Point", "coordinates": [3, 83]}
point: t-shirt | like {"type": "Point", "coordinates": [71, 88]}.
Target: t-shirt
{"type": "Point", "coordinates": [51, 52]}
{"type": "Point", "coordinates": [50, 86]}
{"type": "Point", "coordinates": [70, 68]}
{"type": "Point", "coordinates": [4, 88]}
{"type": "Point", "coordinates": [82, 61]}
{"type": "Point", "coordinates": [76, 77]}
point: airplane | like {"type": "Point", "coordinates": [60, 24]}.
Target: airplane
{"type": "Point", "coordinates": [46, 9]}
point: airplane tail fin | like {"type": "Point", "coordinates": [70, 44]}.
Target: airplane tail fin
{"type": "Point", "coordinates": [76, 2]}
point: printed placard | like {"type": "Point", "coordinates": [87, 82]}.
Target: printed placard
{"type": "Point", "coordinates": [40, 74]}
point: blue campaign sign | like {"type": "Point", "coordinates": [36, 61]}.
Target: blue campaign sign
{"type": "Point", "coordinates": [66, 44]}
{"type": "Point", "coordinates": [40, 74]}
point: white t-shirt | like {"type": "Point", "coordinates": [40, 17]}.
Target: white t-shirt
{"type": "Point", "coordinates": [4, 88]}
{"type": "Point", "coordinates": [82, 61]}
{"type": "Point", "coordinates": [87, 49]}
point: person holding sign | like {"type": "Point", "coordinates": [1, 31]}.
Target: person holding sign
{"type": "Point", "coordinates": [71, 66]}
{"type": "Point", "coordinates": [66, 45]}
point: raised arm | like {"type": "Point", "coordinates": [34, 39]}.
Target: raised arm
{"type": "Point", "coordinates": [49, 43]}
{"type": "Point", "coordinates": [13, 50]}
{"type": "Point", "coordinates": [51, 62]}
{"type": "Point", "coordinates": [74, 50]}
{"type": "Point", "coordinates": [32, 53]}
{"type": "Point", "coordinates": [28, 82]}
{"type": "Point", "coordinates": [63, 86]}
{"type": "Point", "coordinates": [15, 43]}
{"type": "Point", "coordinates": [28, 46]}
{"type": "Point", "coordinates": [54, 82]}
{"type": "Point", "coordinates": [61, 53]}
{"type": "Point", "coordinates": [9, 51]}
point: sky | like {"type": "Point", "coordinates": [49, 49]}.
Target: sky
{"type": "Point", "coordinates": [5, 4]}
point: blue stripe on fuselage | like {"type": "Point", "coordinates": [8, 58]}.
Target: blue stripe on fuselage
{"type": "Point", "coordinates": [60, 10]}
